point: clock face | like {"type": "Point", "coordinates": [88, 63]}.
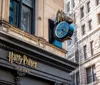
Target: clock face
{"type": "Point", "coordinates": [61, 30]}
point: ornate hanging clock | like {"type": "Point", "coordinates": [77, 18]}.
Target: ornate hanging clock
{"type": "Point", "coordinates": [64, 31]}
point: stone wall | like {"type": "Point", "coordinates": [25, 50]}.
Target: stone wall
{"type": "Point", "coordinates": [90, 35]}
{"type": "Point", "coordinates": [44, 10]}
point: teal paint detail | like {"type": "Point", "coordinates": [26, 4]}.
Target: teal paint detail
{"type": "Point", "coordinates": [57, 43]}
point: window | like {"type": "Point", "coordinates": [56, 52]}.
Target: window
{"type": "Point", "coordinates": [74, 18]}
{"type": "Point", "coordinates": [68, 7]}
{"type": "Point", "coordinates": [75, 34]}
{"type": "Point", "coordinates": [52, 39]}
{"type": "Point", "coordinates": [85, 52]}
{"type": "Point", "coordinates": [82, 12]}
{"type": "Point", "coordinates": [99, 18]}
{"type": "Point", "coordinates": [88, 7]}
{"type": "Point", "coordinates": [97, 2]}
{"type": "Point", "coordinates": [91, 47]}
{"type": "Point", "coordinates": [91, 74]}
{"type": "Point", "coordinates": [73, 3]}
{"type": "Point", "coordinates": [83, 29]}
{"type": "Point", "coordinates": [75, 79]}
{"type": "Point", "coordinates": [77, 56]}
{"type": "Point", "coordinates": [22, 14]}
{"type": "Point", "coordinates": [90, 24]}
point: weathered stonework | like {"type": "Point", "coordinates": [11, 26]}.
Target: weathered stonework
{"type": "Point", "coordinates": [45, 10]}
{"type": "Point", "coordinates": [90, 35]}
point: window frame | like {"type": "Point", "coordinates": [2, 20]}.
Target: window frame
{"type": "Point", "coordinates": [77, 56]}
{"type": "Point", "coordinates": [74, 18]}
{"type": "Point", "coordinates": [98, 16]}
{"type": "Point", "coordinates": [90, 24]}
{"type": "Point", "coordinates": [91, 68]}
{"type": "Point", "coordinates": [88, 6]}
{"type": "Point", "coordinates": [73, 3]}
{"type": "Point", "coordinates": [68, 6]}
{"type": "Point", "coordinates": [75, 78]}
{"type": "Point", "coordinates": [32, 19]}
{"type": "Point", "coordinates": [85, 51]}
{"type": "Point", "coordinates": [94, 69]}
{"type": "Point", "coordinates": [91, 47]}
{"type": "Point", "coordinates": [83, 29]}
{"type": "Point", "coordinates": [82, 11]}
{"type": "Point", "coordinates": [97, 2]}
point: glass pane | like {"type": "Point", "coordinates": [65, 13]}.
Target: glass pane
{"type": "Point", "coordinates": [89, 72]}
{"type": "Point", "coordinates": [94, 70]}
{"type": "Point", "coordinates": [73, 79]}
{"type": "Point", "coordinates": [88, 6]}
{"type": "Point", "coordinates": [13, 15]}
{"type": "Point", "coordinates": [68, 7]}
{"type": "Point", "coordinates": [89, 79]}
{"type": "Point", "coordinates": [25, 19]}
{"type": "Point", "coordinates": [98, 2]}
{"type": "Point", "coordinates": [94, 73]}
{"type": "Point", "coordinates": [94, 77]}
{"type": "Point", "coordinates": [99, 18]}
{"type": "Point", "coordinates": [82, 12]}
{"type": "Point", "coordinates": [27, 2]}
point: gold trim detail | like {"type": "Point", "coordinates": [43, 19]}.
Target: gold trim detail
{"type": "Point", "coordinates": [21, 60]}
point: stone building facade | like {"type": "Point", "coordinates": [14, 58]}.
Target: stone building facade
{"type": "Point", "coordinates": [41, 26]}
{"type": "Point", "coordinates": [86, 41]}
{"type": "Point", "coordinates": [29, 53]}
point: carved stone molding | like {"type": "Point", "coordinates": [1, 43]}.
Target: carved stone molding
{"type": "Point", "coordinates": [17, 80]}
{"type": "Point", "coordinates": [19, 73]}
{"type": "Point", "coordinates": [31, 39]}
{"type": "Point", "coordinates": [18, 77]}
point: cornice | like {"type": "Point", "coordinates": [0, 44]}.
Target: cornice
{"type": "Point", "coordinates": [40, 55]}
{"type": "Point", "coordinates": [38, 41]}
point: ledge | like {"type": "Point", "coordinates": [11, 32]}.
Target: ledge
{"type": "Point", "coordinates": [39, 54]}
{"type": "Point", "coordinates": [30, 39]}
{"type": "Point", "coordinates": [90, 58]}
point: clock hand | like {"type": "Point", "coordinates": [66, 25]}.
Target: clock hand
{"type": "Point", "coordinates": [63, 29]}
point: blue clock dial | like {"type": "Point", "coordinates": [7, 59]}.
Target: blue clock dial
{"type": "Point", "coordinates": [62, 29]}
